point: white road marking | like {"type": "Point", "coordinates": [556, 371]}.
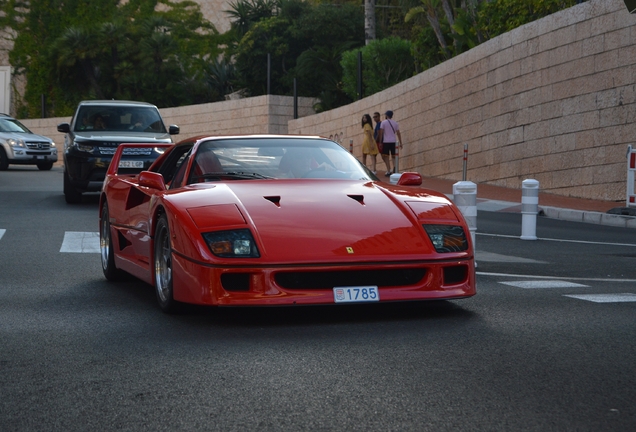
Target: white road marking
{"type": "Point", "coordinates": [2, 231]}
{"type": "Point", "coordinates": [80, 242]}
{"type": "Point", "coordinates": [514, 276]}
{"type": "Point", "coordinates": [495, 257]}
{"type": "Point", "coordinates": [605, 298]}
{"type": "Point", "coordinates": [494, 205]}
{"type": "Point", "coordinates": [559, 240]}
{"type": "Point", "coordinates": [543, 284]}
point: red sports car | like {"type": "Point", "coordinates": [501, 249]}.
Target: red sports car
{"type": "Point", "coordinates": [279, 220]}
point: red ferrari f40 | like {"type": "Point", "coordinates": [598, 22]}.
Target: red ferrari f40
{"type": "Point", "coordinates": [279, 220]}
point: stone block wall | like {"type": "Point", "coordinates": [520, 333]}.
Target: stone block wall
{"type": "Point", "coordinates": [257, 115]}
{"type": "Point", "coordinates": [554, 100]}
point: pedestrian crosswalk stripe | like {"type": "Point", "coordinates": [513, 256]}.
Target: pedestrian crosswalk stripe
{"type": "Point", "coordinates": [2, 231]}
{"type": "Point", "coordinates": [605, 298]}
{"type": "Point", "coordinates": [543, 284]}
{"type": "Point", "coordinates": [495, 257]}
{"type": "Point", "coordinates": [80, 242]}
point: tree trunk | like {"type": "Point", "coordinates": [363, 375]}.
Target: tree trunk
{"type": "Point", "coordinates": [434, 22]}
{"type": "Point", "coordinates": [369, 21]}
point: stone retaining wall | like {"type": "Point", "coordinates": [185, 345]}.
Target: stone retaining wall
{"type": "Point", "coordinates": [553, 100]}
{"type": "Point", "coordinates": [257, 115]}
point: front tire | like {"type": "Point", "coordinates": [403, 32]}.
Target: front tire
{"type": "Point", "coordinates": [4, 161]}
{"type": "Point", "coordinates": [163, 267]}
{"type": "Point", "coordinates": [72, 195]}
{"type": "Point", "coordinates": [111, 272]}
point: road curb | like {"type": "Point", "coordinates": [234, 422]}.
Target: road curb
{"type": "Point", "coordinates": [597, 218]}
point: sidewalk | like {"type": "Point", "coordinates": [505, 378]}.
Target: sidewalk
{"type": "Point", "coordinates": [496, 198]}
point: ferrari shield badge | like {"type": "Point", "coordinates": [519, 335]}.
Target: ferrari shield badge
{"type": "Point", "coordinates": [349, 249]}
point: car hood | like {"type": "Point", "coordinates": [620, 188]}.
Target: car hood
{"type": "Point", "coordinates": [121, 137]}
{"type": "Point", "coordinates": [324, 220]}
{"type": "Point", "coordinates": [27, 137]}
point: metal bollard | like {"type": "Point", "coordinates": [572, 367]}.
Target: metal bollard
{"type": "Point", "coordinates": [465, 198]}
{"type": "Point", "coordinates": [529, 209]}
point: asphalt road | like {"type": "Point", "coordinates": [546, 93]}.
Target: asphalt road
{"type": "Point", "coordinates": [78, 353]}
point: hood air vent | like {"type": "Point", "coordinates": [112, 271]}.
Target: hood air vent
{"type": "Point", "coordinates": [273, 199]}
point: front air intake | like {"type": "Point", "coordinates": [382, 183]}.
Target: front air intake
{"type": "Point", "coordinates": [344, 278]}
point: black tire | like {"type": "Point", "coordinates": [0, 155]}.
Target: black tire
{"type": "Point", "coordinates": [107, 253]}
{"type": "Point", "coordinates": [163, 267]}
{"type": "Point", "coordinates": [4, 161]}
{"type": "Point", "coordinates": [46, 166]}
{"type": "Point", "coordinates": [72, 195]}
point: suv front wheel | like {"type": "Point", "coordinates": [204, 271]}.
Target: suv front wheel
{"type": "Point", "coordinates": [72, 195]}
{"type": "Point", "coordinates": [4, 161]}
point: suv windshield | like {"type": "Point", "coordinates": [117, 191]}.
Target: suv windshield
{"type": "Point", "coordinates": [119, 119]}
{"type": "Point", "coordinates": [12, 125]}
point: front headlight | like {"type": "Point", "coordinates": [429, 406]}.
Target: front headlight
{"type": "Point", "coordinates": [83, 147]}
{"type": "Point", "coordinates": [232, 243]}
{"type": "Point", "coordinates": [16, 142]}
{"type": "Point", "coordinates": [447, 238]}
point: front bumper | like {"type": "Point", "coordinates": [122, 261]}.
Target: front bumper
{"type": "Point", "coordinates": [87, 172]}
{"type": "Point", "coordinates": [25, 156]}
{"type": "Point", "coordinates": [209, 285]}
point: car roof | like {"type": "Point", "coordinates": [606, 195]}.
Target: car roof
{"type": "Point", "coordinates": [115, 103]}
{"type": "Point", "coordinates": [252, 136]}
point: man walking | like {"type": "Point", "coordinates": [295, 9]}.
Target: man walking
{"type": "Point", "coordinates": [389, 135]}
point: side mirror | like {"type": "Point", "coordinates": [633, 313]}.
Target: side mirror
{"type": "Point", "coordinates": [410, 179]}
{"type": "Point", "coordinates": [152, 180]}
{"type": "Point", "coordinates": [64, 128]}
{"type": "Point", "coordinates": [173, 130]}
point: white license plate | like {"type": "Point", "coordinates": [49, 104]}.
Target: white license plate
{"type": "Point", "coordinates": [131, 164]}
{"type": "Point", "coordinates": [356, 294]}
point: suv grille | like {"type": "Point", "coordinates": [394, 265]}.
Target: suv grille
{"type": "Point", "coordinates": [38, 145]}
{"type": "Point", "coordinates": [127, 152]}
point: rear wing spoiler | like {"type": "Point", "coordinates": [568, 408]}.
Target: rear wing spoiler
{"type": "Point", "coordinates": [114, 163]}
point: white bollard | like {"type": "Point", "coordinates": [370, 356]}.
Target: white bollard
{"type": "Point", "coordinates": [465, 198]}
{"type": "Point", "coordinates": [529, 209]}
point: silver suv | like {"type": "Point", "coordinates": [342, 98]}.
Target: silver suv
{"type": "Point", "coordinates": [20, 146]}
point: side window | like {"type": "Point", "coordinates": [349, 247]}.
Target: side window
{"type": "Point", "coordinates": [182, 164]}
{"type": "Point", "coordinates": [169, 167]}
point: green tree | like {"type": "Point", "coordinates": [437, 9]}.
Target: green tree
{"type": "Point", "coordinates": [385, 62]}
{"type": "Point", "coordinates": [150, 50]}
{"type": "Point", "coordinates": [500, 16]}
{"type": "Point", "coordinates": [305, 42]}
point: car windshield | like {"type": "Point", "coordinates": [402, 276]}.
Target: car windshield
{"type": "Point", "coordinates": [274, 158]}
{"type": "Point", "coordinates": [12, 125]}
{"type": "Point", "coordinates": [119, 119]}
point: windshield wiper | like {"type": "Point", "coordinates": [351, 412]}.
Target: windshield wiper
{"type": "Point", "coordinates": [241, 175]}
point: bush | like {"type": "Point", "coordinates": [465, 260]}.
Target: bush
{"type": "Point", "coordinates": [385, 62]}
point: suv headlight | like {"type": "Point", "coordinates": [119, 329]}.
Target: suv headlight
{"type": "Point", "coordinates": [16, 142]}
{"type": "Point", "coordinates": [83, 147]}
{"type": "Point", "coordinates": [232, 243]}
{"type": "Point", "coordinates": [447, 238]}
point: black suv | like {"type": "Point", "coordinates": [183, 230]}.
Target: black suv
{"type": "Point", "coordinates": [95, 132]}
